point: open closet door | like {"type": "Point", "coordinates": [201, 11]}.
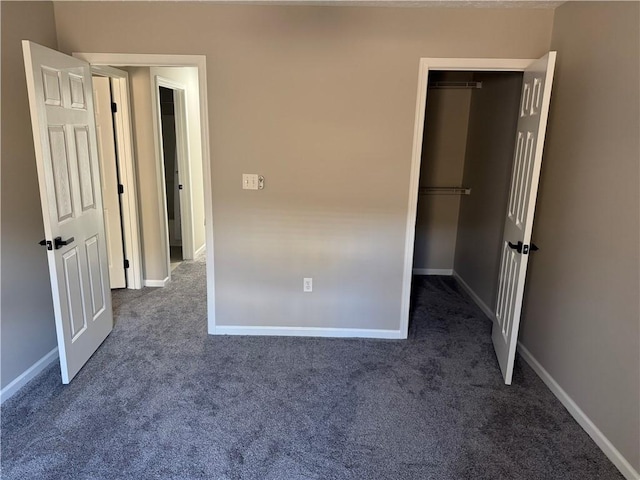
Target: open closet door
{"type": "Point", "coordinates": [516, 242]}
{"type": "Point", "coordinates": [64, 132]}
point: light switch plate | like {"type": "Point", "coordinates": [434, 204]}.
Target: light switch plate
{"type": "Point", "coordinates": [249, 181]}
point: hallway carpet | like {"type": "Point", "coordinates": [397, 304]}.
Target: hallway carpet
{"type": "Point", "coordinates": [161, 399]}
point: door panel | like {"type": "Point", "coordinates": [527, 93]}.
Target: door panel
{"type": "Point", "coordinates": [95, 276]}
{"type": "Point", "coordinates": [76, 89]}
{"type": "Point", "coordinates": [52, 92]}
{"type": "Point", "coordinates": [83, 155]}
{"type": "Point", "coordinates": [73, 292]}
{"type": "Point", "coordinates": [532, 122]}
{"type": "Point", "coordinates": [60, 165]}
{"type": "Point", "coordinates": [61, 105]}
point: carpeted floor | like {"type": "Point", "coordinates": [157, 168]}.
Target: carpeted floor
{"type": "Point", "coordinates": [163, 400]}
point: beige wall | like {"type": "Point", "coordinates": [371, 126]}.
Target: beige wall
{"type": "Point", "coordinates": [188, 77]}
{"type": "Point", "coordinates": [150, 199]}
{"type": "Point", "coordinates": [27, 325]}
{"type": "Point", "coordinates": [581, 312]}
{"type": "Point", "coordinates": [321, 101]}
{"type": "Point", "coordinates": [442, 164]}
{"type": "Point", "coordinates": [487, 170]}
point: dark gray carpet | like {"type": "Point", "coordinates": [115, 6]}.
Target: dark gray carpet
{"type": "Point", "coordinates": [163, 400]}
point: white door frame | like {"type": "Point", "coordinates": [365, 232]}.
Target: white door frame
{"type": "Point", "coordinates": [427, 64]}
{"type": "Point", "coordinates": [182, 159]}
{"type": "Point", "coordinates": [127, 169]}
{"type": "Point", "coordinates": [198, 61]}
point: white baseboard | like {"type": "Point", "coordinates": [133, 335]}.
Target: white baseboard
{"type": "Point", "coordinates": [433, 271]}
{"type": "Point", "coordinates": [583, 420]}
{"type": "Point", "coordinates": [474, 296]}
{"type": "Point", "coordinates": [156, 283]}
{"type": "Point", "coordinates": [308, 332]}
{"type": "Point", "coordinates": [200, 250]}
{"type": "Point", "coordinates": [24, 378]}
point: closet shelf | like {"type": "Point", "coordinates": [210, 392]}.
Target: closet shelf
{"type": "Point", "coordinates": [455, 85]}
{"type": "Point", "coordinates": [444, 191]}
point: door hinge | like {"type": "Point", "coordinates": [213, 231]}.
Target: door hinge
{"type": "Point", "coordinates": [114, 107]}
{"type": "Point", "coordinates": [120, 189]}
{"type": "Point", "coordinates": [126, 263]}
{"type": "Point", "coordinates": [525, 249]}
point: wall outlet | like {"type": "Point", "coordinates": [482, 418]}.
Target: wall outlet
{"type": "Point", "coordinates": [307, 284]}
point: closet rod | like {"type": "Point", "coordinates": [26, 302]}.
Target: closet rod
{"type": "Point", "coordinates": [445, 191]}
{"type": "Point", "coordinates": [439, 85]}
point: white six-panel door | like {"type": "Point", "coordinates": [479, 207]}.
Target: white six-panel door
{"type": "Point", "coordinates": [61, 104]}
{"type": "Point", "coordinates": [109, 174]}
{"type": "Point", "coordinates": [516, 243]}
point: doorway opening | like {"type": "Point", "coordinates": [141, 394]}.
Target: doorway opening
{"type": "Point", "coordinates": [165, 132]}
{"type": "Point", "coordinates": [172, 171]}
{"type": "Point", "coordinates": [467, 154]}
{"type": "Point", "coordinates": [71, 182]}
{"type": "Point", "coordinates": [138, 67]}
{"type": "Point", "coordinates": [478, 142]}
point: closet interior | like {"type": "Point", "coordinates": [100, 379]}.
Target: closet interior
{"type": "Point", "coordinates": [467, 154]}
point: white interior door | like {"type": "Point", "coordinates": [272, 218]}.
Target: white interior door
{"type": "Point", "coordinates": [109, 177]}
{"type": "Point", "coordinates": [516, 243]}
{"type": "Point", "coordinates": [61, 104]}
